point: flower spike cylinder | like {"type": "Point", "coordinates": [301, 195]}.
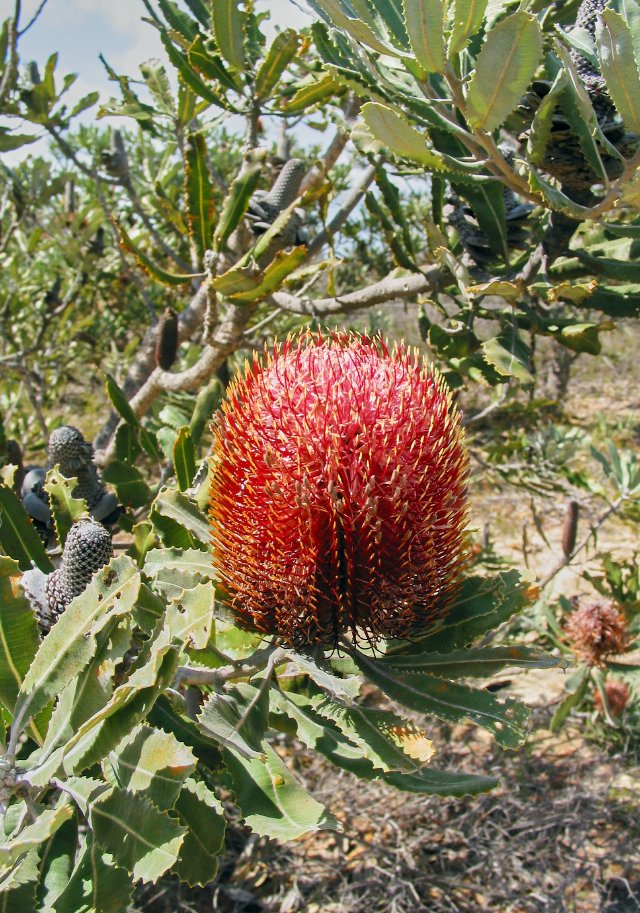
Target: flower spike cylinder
{"type": "Point", "coordinates": [339, 492]}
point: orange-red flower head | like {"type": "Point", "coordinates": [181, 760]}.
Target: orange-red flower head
{"type": "Point", "coordinates": [338, 495]}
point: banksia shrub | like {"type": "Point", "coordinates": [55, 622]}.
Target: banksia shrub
{"type": "Point", "coordinates": [597, 630]}
{"type": "Point", "coordinates": [618, 694]}
{"type": "Point", "coordinates": [339, 495]}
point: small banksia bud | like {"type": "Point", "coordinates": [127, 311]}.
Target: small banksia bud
{"type": "Point", "coordinates": [167, 340]}
{"type": "Point", "coordinates": [570, 529]}
{"type": "Point", "coordinates": [87, 549]}
{"type": "Point", "coordinates": [618, 694]}
{"type": "Point", "coordinates": [339, 492]}
{"type": "Point", "coordinates": [596, 631]}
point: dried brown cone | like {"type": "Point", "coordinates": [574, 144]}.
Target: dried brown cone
{"type": "Point", "coordinates": [167, 340]}
{"type": "Point", "coordinates": [618, 694]}
{"type": "Point", "coordinates": [570, 530]}
{"type": "Point", "coordinates": [596, 631]}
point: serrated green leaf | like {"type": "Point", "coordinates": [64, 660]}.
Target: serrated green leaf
{"type": "Point", "coordinates": [393, 131]}
{"type": "Point", "coordinates": [96, 884]}
{"type": "Point", "coordinates": [210, 65]}
{"type": "Point", "coordinates": [555, 198]}
{"type": "Point", "coordinates": [449, 701]}
{"type": "Point", "coordinates": [128, 706]}
{"type": "Point", "coordinates": [264, 283]}
{"type": "Point", "coordinates": [198, 193]}
{"type": "Point", "coordinates": [467, 17]}
{"type": "Point", "coordinates": [184, 458]}
{"type": "Point", "coordinates": [319, 671]}
{"type": "Point", "coordinates": [65, 509]}
{"type": "Point", "coordinates": [18, 634]}
{"type": "Point", "coordinates": [540, 131]}
{"type": "Point", "coordinates": [273, 803]}
{"type": "Point", "coordinates": [142, 839]}
{"type": "Point", "coordinates": [477, 662]}
{"type": "Point", "coordinates": [90, 690]}
{"type": "Point", "coordinates": [385, 739]}
{"type": "Point", "coordinates": [189, 76]}
{"type": "Point", "coordinates": [178, 507]}
{"type": "Point", "coordinates": [441, 782]}
{"type": "Point", "coordinates": [71, 643]}
{"type": "Point", "coordinates": [487, 203]}
{"type": "Point", "coordinates": [131, 488]}
{"type": "Point", "coordinates": [510, 356]}
{"type": "Point", "coordinates": [18, 538]}
{"type": "Point", "coordinates": [503, 71]}
{"type": "Point", "coordinates": [190, 615]}
{"type": "Point", "coordinates": [614, 42]}
{"type": "Point", "coordinates": [148, 265]}
{"type": "Point", "coordinates": [228, 22]}
{"type": "Point", "coordinates": [237, 718]}
{"type": "Point", "coordinates": [235, 203]}
{"type": "Point", "coordinates": [128, 447]}
{"type": "Point", "coordinates": [33, 835]}
{"type": "Point", "coordinates": [155, 76]}
{"type": "Point", "coordinates": [425, 28]}
{"type": "Point", "coordinates": [57, 859]}
{"type": "Point", "coordinates": [207, 402]}
{"type": "Point", "coordinates": [356, 27]}
{"type": "Point", "coordinates": [312, 93]}
{"type": "Point", "coordinates": [173, 570]}
{"type": "Point", "coordinates": [178, 19]}
{"type": "Point", "coordinates": [281, 53]}
{"type": "Point", "coordinates": [321, 734]}
{"type": "Point", "coordinates": [11, 141]}
{"type": "Point", "coordinates": [571, 700]}
{"type": "Point", "coordinates": [201, 813]}
{"type": "Point", "coordinates": [152, 762]}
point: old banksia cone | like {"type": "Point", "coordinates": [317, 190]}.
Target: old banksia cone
{"type": "Point", "coordinates": [596, 631]}
{"type": "Point", "coordinates": [338, 495]}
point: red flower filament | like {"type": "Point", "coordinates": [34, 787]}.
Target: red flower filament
{"type": "Point", "coordinates": [338, 496]}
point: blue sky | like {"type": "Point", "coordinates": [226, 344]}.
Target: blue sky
{"type": "Point", "coordinates": [80, 30]}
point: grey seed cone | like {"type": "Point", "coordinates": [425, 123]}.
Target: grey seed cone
{"type": "Point", "coordinates": [87, 549]}
{"type": "Point", "coordinates": [587, 15]}
{"type": "Point", "coordinates": [286, 185]}
{"type": "Point", "coordinates": [69, 450]}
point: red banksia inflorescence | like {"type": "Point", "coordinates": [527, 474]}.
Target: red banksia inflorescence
{"type": "Point", "coordinates": [338, 495]}
{"type": "Point", "coordinates": [597, 630]}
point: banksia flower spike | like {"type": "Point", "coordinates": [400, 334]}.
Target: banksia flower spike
{"type": "Point", "coordinates": [338, 495]}
{"type": "Point", "coordinates": [596, 631]}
